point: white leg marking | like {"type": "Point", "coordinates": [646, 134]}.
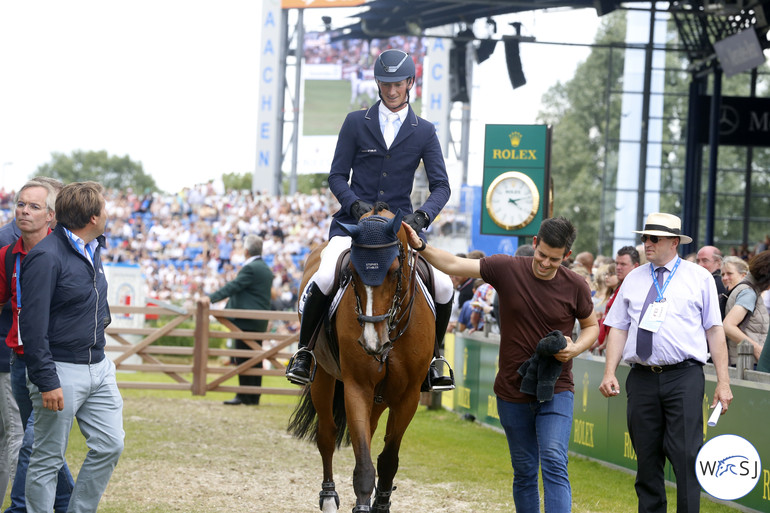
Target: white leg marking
{"type": "Point", "coordinates": [329, 506]}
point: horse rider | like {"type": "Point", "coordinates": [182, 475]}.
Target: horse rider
{"type": "Point", "coordinates": [378, 151]}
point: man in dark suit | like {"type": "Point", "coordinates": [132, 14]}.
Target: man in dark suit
{"type": "Point", "coordinates": [378, 151]}
{"type": "Point", "coordinates": [250, 290]}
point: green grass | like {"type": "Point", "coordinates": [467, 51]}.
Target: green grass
{"type": "Point", "coordinates": [478, 457]}
{"type": "Point", "coordinates": [190, 453]}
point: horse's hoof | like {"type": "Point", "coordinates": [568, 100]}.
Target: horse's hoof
{"type": "Point", "coordinates": [328, 492]}
{"type": "Point", "coordinates": [382, 501]}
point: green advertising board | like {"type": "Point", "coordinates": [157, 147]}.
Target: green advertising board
{"type": "Point", "coordinates": [599, 428]}
{"type": "Point", "coordinates": [517, 195]}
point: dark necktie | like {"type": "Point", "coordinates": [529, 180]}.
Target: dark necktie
{"type": "Point", "coordinates": [644, 337]}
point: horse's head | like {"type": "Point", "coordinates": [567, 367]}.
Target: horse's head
{"type": "Point", "coordinates": [378, 257]}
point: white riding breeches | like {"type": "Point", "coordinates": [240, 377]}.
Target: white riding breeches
{"type": "Point", "coordinates": [324, 276]}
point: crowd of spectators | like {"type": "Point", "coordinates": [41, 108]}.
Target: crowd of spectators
{"type": "Point", "coordinates": [191, 243]}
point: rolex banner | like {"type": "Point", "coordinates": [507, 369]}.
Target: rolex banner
{"type": "Point", "coordinates": [516, 195]}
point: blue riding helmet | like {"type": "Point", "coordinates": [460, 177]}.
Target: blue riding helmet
{"type": "Point", "coordinates": [393, 66]}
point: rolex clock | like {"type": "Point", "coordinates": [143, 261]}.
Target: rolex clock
{"type": "Point", "coordinates": [512, 200]}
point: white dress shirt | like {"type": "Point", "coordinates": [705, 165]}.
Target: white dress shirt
{"type": "Point", "coordinates": [384, 112]}
{"type": "Point", "coordinates": [692, 308]}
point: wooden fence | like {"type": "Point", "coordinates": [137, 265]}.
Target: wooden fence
{"type": "Point", "coordinates": [208, 366]}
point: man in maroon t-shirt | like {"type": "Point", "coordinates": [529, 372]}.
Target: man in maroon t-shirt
{"type": "Point", "coordinates": [537, 296]}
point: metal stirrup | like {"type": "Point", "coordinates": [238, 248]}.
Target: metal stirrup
{"type": "Point", "coordinates": [451, 376]}
{"type": "Point", "coordinates": [299, 380]}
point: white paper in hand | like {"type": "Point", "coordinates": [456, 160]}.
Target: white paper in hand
{"type": "Point", "coordinates": [715, 415]}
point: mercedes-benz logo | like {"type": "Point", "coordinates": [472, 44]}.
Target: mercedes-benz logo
{"type": "Point", "coordinates": [729, 120]}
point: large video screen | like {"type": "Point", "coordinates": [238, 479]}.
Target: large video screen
{"type": "Point", "coordinates": [338, 77]}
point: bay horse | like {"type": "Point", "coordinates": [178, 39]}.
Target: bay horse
{"type": "Point", "coordinates": [375, 356]}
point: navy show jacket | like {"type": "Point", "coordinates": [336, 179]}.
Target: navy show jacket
{"type": "Point", "coordinates": [64, 309]}
{"type": "Point", "coordinates": [382, 174]}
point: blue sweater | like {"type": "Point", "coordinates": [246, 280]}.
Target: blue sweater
{"type": "Point", "coordinates": [64, 309]}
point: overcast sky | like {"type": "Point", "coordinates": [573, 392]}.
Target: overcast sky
{"type": "Point", "coordinates": [173, 83]}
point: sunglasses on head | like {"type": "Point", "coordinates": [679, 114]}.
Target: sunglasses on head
{"type": "Point", "coordinates": [653, 238]}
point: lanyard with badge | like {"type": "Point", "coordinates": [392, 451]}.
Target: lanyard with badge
{"type": "Point", "coordinates": [18, 298]}
{"type": "Point", "coordinates": [656, 312]}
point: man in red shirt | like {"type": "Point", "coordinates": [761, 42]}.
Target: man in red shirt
{"type": "Point", "coordinates": [34, 217]}
{"type": "Point", "coordinates": [627, 260]}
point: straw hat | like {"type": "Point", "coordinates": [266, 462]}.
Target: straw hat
{"type": "Point", "coordinates": [664, 225]}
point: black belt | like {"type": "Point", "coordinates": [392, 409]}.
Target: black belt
{"type": "Point", "coordinates": [657, 369]}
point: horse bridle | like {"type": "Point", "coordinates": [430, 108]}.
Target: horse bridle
{"type": "Point", "coordinates": [396, 313]}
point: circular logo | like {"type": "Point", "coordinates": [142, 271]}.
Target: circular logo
{"type": "Point", "coordinates": [728, 467]}
{"type": "Point", "coordinates": [729, 120]}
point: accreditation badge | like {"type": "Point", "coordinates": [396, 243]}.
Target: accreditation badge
{"type": "Point", "coordinates": [654, 316]}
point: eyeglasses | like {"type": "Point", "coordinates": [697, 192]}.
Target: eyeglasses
{"type": "Point", "coordinates": [653, 238]}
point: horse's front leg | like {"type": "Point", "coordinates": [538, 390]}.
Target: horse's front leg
{"type": "Point", "coordinates": [323, 399]}
{"type": "Point", "coordinates": [358, 404]}
{"type": "Point", "coordinates": [400, 416]}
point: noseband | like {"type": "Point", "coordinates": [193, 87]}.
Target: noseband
{"type": "Point", "coordinates": [399, 309]}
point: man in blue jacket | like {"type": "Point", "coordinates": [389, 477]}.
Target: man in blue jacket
{"type": "Point", "coordinates": [63, 313]}
{"type": "Point", "coordinates": [378, 151]}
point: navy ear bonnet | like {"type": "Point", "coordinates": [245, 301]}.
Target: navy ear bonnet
{"type": "Point", "coordinates": [374, 246]}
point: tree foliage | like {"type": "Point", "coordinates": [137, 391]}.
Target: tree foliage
{"type": "Point", "coordinates": [237, 181]}
{"type": "Point", "coordinates": [577, 111]}
{"type": "Point", "coordinates": [111, 171]}
{"type": "Point", "coordinates": [585, 114]}
{"type": "Point", "coordinates": [309, 182]}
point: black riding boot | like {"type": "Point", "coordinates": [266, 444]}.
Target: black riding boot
{"type": "Point", "coordinates": [435, 381]}
{"type": "Point", "coordinates": [301, 368]}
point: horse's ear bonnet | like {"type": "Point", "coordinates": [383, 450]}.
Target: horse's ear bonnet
{"type": "Point", "coordinates": [374, 247]}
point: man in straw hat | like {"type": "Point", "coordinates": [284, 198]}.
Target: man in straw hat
{"type": "Point", "coordinates": [665, 321]}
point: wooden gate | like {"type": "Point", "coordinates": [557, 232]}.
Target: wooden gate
{"type": "Point", "coordinates": [204, 364]}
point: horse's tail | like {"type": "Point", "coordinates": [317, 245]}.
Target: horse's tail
{"type": "Point", "coordinates": [303, 423]}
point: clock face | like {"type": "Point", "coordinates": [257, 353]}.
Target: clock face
{"type": "Point", "coordinates": [512, 200]}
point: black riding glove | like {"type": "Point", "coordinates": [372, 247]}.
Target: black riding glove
{"type": "Point", "coordinates": [417, 220]}
{"type": "Point", "coordinates": [360, 208]}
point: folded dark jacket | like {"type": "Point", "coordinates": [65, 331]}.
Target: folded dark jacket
{"type": "Point", "coordinates": [542, 370]}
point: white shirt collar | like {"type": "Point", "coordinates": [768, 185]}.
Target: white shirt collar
{"type": "Point", "coordinates": [384, 112]}
{"type": "Point", "coordinates": [668, 265]}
